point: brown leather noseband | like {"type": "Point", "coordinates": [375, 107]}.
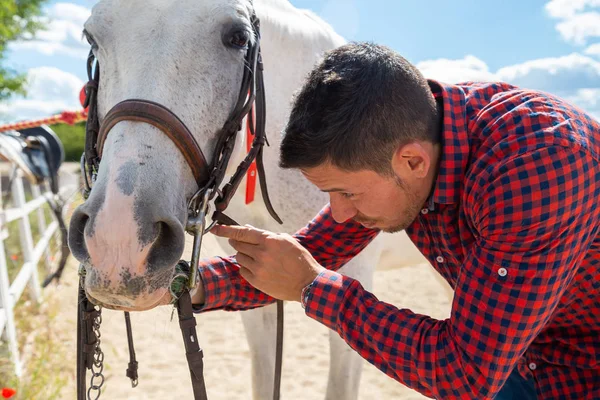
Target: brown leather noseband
{"type": "Point", "coordinates": [162, 118]}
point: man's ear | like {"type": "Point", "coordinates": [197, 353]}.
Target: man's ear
{"type": "Point", "coordinates": [412, 160]}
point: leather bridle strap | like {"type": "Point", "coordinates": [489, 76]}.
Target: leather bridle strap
{"type": "Point", "coordinates": [226, 220]}
{"type": "Point", "coordinates": [165, 120]}
{"type": "Point", "coordinates": [256, 151]}
{"type": "Point", "coordinates": [193, 352]}
{"type": "Point", "coordinates": [132, 367]}
{"type": "Point", "coordinates": [278, 352]}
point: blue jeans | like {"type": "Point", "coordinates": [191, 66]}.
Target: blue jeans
{"type": "Point", "coordinates": [517, 388]}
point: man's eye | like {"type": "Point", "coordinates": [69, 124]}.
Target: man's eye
{"type": "Point", "coordinates": [348, 195]}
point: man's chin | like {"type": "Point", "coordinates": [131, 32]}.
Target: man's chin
{"type": "Point", "coordinates": [393, 229]}
{"type": "Point", "coordinates": [378, 225]}
{"type": "Point", "coordinates": [369, 225]}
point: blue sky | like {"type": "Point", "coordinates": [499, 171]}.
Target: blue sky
{"type": "Point", "coordinates": [551, 45]}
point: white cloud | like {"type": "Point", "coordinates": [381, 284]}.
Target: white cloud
{"type": "Point", "coordinates": [568, 73]}
{"type": "Point", "coordinates": [579, 19]}
{"type": "Point", "coordinates": [593, 50]}
{"type": "Point", "coordinates": [560, 74]}
{"type": "Point", "coordinates": [62, 35]}
{"type": "Point", "coordinates": [587, 98]}
{"type": "Point", "coordinates": [73, 12]}
{"type": "Point", "coordinates": [469, 68]}
{"type": "Point", "coordinates": [49, 91]}
{"type": "Point", "coordinates": [568, 8]}
{"type": "Point", "coordinates": [574, 77]}
{"type": "Point", "coordinates": [578, 28]}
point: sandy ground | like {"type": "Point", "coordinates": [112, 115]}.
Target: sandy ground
{"type": "Point", "coordinates": [163, 370]}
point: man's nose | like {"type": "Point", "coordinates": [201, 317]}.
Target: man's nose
{"type": "Point", "coordinates": [342, 208]}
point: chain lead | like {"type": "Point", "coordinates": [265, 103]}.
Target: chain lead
{"type": "Point", "coordinates": [97, 378]}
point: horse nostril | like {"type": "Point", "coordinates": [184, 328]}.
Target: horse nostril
{"type": "Point", "coordinates": [168, 246]}
{"type": "Point", "coordinates": [162, 229]}
{"type": "Point", "coordinates": [77, 235]}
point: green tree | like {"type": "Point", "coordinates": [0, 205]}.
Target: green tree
{"type": "Point", "coordinates": [18, 20]}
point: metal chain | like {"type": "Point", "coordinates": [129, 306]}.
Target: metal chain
{"type": "Point", "coordinates": [97, 379]}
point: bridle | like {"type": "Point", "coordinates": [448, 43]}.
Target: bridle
{"type": "Point", "coordinates": [208, 176]}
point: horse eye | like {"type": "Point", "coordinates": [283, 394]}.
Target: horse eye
{"type": "Point", "coordinates": [239, 39]}
{"type": "Point", "coordinates": [90, 39]}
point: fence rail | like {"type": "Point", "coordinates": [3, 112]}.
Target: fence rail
{"type": "Point", "coordinates": [11, 292]}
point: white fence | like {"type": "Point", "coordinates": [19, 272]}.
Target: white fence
{"type": "Point", "coordinates": [10, 292]}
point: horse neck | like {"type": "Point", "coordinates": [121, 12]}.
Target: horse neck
{"type": "Point", "coordinates": [292, 41]}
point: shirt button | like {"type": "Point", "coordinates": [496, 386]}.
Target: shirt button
{"type": "Point", "coordinates": [424, 211]}
{"type": "Point", "coordinates": [502, 271]}
{"type": "Point", "coordinates": [439, 259]}
{"type": "Point", "coordinates": [532, 366]}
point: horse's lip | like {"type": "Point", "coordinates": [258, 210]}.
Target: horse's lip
{"type": "Point", "coordinates": [128, 309]}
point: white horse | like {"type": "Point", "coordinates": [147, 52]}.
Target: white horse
{"type": "Point", "coordinates": [129, 233]}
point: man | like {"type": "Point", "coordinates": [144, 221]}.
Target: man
{"type": "Point", "coordinates": [497, 186]}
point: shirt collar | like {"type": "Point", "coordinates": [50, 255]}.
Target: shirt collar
{"type": "Point", "coordinates": [455, 144]}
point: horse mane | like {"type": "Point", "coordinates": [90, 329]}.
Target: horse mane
{"type": "Point", "coordinates": [297, 21]}
{"type": "Point", "coordinates": [320, 21]}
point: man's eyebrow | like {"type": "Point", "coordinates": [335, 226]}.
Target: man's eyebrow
{"type": "Point", "coordinates": [333, 190]}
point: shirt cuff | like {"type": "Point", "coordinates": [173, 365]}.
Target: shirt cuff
{"type": "Point", "coordinates": [216, 283]}
{"type": "Point", "coordinates": [325, 297]}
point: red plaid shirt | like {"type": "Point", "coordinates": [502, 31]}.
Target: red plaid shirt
{"type": "Point", "coordinates": [512, 224]}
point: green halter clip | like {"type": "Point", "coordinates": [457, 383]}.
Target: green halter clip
{"type": "Point", "coordinates": [180, 280]}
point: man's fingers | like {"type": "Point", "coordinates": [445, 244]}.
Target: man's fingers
{"type": "Point", "coordinates": [251, 250]}
{"type": "Point", "coordinates": [247, 275]}
{"type": "Point", "coordinates": [240, 233]}
{"type": "Point", "coordinates": [246, 262]}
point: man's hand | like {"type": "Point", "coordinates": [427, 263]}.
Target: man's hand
{"type": "Point", "coordinates": [274, 263]}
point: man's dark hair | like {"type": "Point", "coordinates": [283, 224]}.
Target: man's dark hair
{"type": "Point", "coordinates": [356, 108]}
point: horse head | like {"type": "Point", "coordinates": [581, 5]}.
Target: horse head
{"type": "Point", "coordinates": [188, 59]}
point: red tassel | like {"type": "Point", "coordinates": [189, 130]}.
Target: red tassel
{"type": "Point", "coordinates": [252, 171]}
{"type": "Point", "coordinates": [82, 96]}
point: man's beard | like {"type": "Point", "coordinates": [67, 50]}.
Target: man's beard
{"type": "Point", "coordinates": [409, 214]}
